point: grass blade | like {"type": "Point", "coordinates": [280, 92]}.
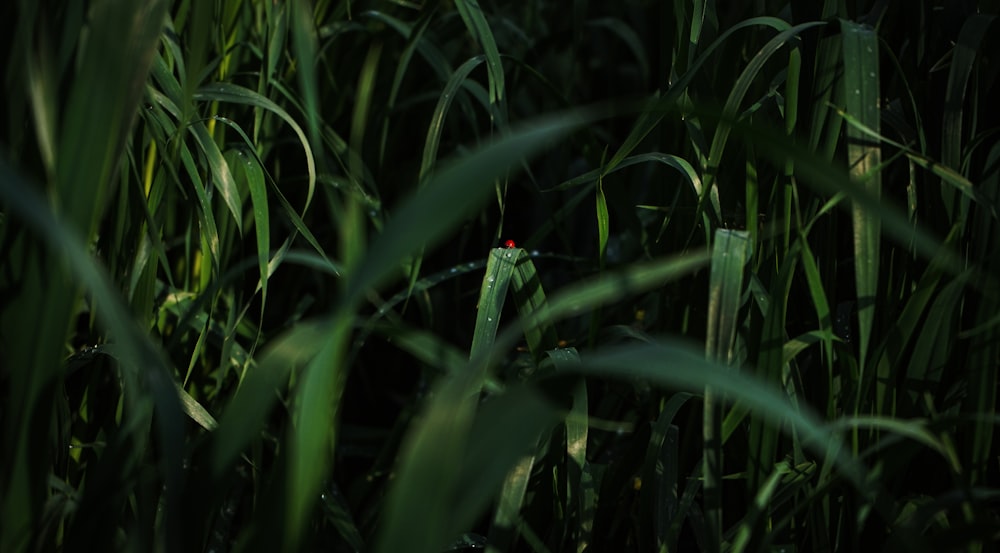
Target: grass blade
{"type": "Point", "coordinates": [862, 97]}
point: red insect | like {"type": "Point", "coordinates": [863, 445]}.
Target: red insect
{"type": "Point", "coordinates": [509, 244]}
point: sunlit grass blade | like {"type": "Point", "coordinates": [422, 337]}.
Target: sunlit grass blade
{"type": "Point", "coordinates": [226, 92]}
{"type": "Point", "coordinates": [222, 176]}
{"type": "Point", "coordinates": [492, 296]}
{"type": "Point", "coordinates": [862, 98]}
{"type": "Point", "coordinates": [252, 175]}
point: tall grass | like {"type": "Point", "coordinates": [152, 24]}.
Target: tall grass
{"type": "Point", "coordinates": [257, 292]}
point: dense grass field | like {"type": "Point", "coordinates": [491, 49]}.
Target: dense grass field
{"type": "Point", "coordinates": [461, 275]}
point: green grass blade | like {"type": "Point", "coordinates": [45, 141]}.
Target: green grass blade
{"type": "Point", "coordinates": [730, 253]}
{"type": "Point", "coordinates": [529, 297]}
{"type": "Point", "coordinates": [252, 175]}
{"type": "Point", "coordinates": [603, 224]}
{"type": "Point", "coordinates": [475, 21]}
{"type": "Point", "coordinates": [222, 176]}
{"type": "Point", "coordinates": [862, 98]}
{"type": "Point", "coordinates": [436, 127]}
{"type": "Point", "coordinates": [492, 296]}
{"type": "Point", "coordinates": [313, 435]}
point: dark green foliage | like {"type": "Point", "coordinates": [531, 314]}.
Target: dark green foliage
{"type": "Point", "coordinates": [255, 293]}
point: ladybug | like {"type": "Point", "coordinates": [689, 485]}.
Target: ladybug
{"type": "Point", "coordinates": [509, 244]}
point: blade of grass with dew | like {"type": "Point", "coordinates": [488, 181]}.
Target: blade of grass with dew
{"type": "Point", "coordinates": [222, 175]}
{"type": "Point", "coordinates": [730, 253]}
{"type": "Point", "coordinates": [862, 97]}
{"type": "Point", "coordinates": [492, 296]}
{"type": "Point", "coordinates": [312, 439]}
{"type": "Point", "coordinates": [252, 175]}
{"type": "Point", "coordinates": [227, 92]}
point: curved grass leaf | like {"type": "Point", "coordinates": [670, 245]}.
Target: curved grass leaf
{"type": "Point", "coordinates": [227, 92]}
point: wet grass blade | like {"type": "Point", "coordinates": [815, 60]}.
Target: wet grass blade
{"type": "Point", "coordinates": [862, 97]}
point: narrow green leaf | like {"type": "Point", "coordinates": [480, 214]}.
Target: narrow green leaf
{"type": "Point", "coordinates": [529, 298]}
{"type": "Point", "coordinates": [602, 224]}
{"type": "Point", "coordinates": [221, 173]}
{"type": "Point", "coordinates": [862, 97]}
{"type": "Point", "coordinates": [730, 253]}
{"type": "Point", "coordinates": [436, 127]}
{"type": "Point", "coordinates": [492, 296]}
{"type": "Point", "coordinates": [475, 21]}
{"type": "Point", "coordinates": [253, 176]}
